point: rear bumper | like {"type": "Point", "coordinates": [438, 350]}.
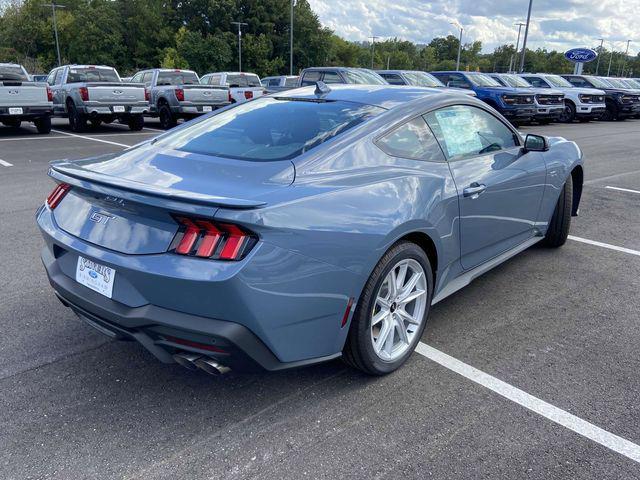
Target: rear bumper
{"type": "Point", "coordinates": [27, 112]}
{"type": "Point", "coordinates": [197, 109]}
{"type": "Point", "coordinates": [290, 318]}
{"type": "Point", "coordinates": [139, 108]}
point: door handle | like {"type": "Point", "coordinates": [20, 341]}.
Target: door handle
{"type": "Point", "coordinates": [474, 190]}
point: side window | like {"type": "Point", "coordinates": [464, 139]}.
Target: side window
{"type": "Point", "coordinates": [411, 140]}
{"type": "Point", "coordinates": [393, 78]}
{"type": "Point", "coordinates": [274, 82]}
{"type": "Point", "coordinates": [310, 78]}
{"type": "Point", "coordinates": [59, 75]}
{"type": "Point", "coordinates": [147, 77]}
{"type": "Point", "coordinates": [458, 81]}
{"type": "Point", "coordinates": [537, 82]}
{"type": "Point", "coordinates": [332, 77]}
{"type": "Point", "coordinates": [465, 131]}
{"type": "Point", "coordinates": [51, 79]}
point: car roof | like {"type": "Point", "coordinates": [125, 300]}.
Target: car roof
{"type": "Point", "coordinates": [337, 68]}
{"type": "Point", "coordinates": [10, 65]}
{"type": "Point", "coordinates": [384, 96]}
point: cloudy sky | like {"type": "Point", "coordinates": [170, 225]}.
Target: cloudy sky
{"type": "Point", "coordinates": [555, 24]}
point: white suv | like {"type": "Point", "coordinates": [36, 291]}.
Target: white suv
{"type": "Point", "coordinates": [581, 104]}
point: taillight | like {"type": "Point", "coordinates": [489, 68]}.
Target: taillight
{"type": "Point", "coordinates": [49, 95]}
{"type": "Point", "coordinates": [147, 95]}
{"type": "Point", "coordinates": [84, 94]}
{"type": "Point", "coordinates": [57, 195]}
{"type": "Point", "coordinates": [180, 94]}
{"type": "Point", "coordinates": [230, 97]}
{"type": "Point", "coordinates": [248, 94]}
{"type": "Point", "coordinates": [208, 239]}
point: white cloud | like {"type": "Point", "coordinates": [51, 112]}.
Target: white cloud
{"type": "Point", "coordinates": [555, 24]}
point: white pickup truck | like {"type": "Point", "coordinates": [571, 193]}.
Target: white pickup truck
{"type": "Point", "coordinates": [242, 86]}
{"type": "Point", "coordinates": [23, 100]}
{"type": "Point", "coordinates": [96, 94]}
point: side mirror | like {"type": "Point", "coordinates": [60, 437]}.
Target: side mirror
{"type": "Point", "coordinates": [535, 143]}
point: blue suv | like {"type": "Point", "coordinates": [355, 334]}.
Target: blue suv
{"type": "Point", "coordinates": [516, 104]}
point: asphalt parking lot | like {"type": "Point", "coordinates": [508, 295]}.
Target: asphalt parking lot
{"type": "Point", "coordinates": [559, 325]}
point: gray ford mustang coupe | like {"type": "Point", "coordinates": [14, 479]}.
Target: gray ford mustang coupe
{"type": "Point", "coordinates": [301, 227]}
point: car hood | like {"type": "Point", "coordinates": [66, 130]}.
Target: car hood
{"type": "Point", "coordinates": [587, 91]}
{"type": "Point", "coordinates": [508, 90]}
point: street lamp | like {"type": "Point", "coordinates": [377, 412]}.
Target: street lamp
{"type": "Point", "coordinates": [519, 25]}
{"type": "Point", "coordinates": [599, 53]}
{"type": "Point", "coordinates": [240, 25]}
{"type": "Point", "coordinates": [624, 60]}
{"type": "Point", "coordinates": [526, 34]}
{"type": "Point", "coordinates": [610, 60]}
{"type": "Point", "coordinates": [373, 48]}
{"type": "Point", "coordinates": [291, 40]}
{"type": "Point", "coordinates": [456, 24]}
{"type": "Point", "coordinates": [53, 6]}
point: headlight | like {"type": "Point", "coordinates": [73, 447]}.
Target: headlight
{"type": "Point", "coordinates": [585, 98]}
{"type": "Point", "coordinates": [510, 99]}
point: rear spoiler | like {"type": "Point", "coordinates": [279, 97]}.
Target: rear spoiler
{"type": "Point", "coordinates": [158, 196]}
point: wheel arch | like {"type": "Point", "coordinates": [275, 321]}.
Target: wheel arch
{"type": "Point", "coordinates": [577, 177]}
{"type": "Point", "coordinates": [426, 243]}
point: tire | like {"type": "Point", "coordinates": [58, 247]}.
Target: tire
{"type": "Point", "coordinates": [12, 122]}
{"type": "Point", "coordinates": [77, 121]}
{"type": "Point", "coordinates": [167, 120]}
{"type": "Point", "coordinates": [611, 112]}
{"type": "Point", "coordinates": [568, 114]}
{"type": "Point", "coordinates": [558, 230]}
{"type": "Point", "coordinates": [43, 125]}
{"type": "Point", "coordinates": [360, 350]}
{"type": "Point", "coordinates": [136, 123]}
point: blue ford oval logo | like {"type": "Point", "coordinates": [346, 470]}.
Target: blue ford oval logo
{"type": "Point", "coordinates": [580, 55]}
{"type": "Point", "coordinates": [93, 274]}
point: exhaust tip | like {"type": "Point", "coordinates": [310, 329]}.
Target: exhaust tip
{"type": "Point", "coordinates": [187, 360]}
{"type": "Point", "coordinates": [211, 366]}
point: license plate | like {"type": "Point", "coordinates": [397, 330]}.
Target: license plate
{"type": "Point", "coordinates": [95, 276]}
{"type": "Point", "coordinates": [15, 111]}
{"type": "Point", "coordinates": [118, 109]}
{"type": "Point", "coordinates": [207, 109]}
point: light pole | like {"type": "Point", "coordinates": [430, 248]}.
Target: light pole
{"type": "Point", "coordinates": [599, 53]}
{"type": "Point", "coordinates": [610, 60]}
{"type": "Point", "coordinates": [291, 40]}
{"type": "Point", "coordinates": [624, 60]}
{"type": "Point", "coordinates": [524, 40]}
{"type": "Point", "coordinates": [456, 24]}
{"type": "Point", "coordinates": [53, 6]}
{"type": "Point", "coordinates": [240, 25]}
{"type": "Point", "coordinates": [373, 48]}
{"type": "Point", "coordinates": [519, 25]}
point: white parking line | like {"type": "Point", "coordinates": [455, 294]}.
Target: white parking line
{"type": "Point", "coordinates": [551, 412]}
{"type": "Point", "coordinates": [604, 245]}
{"type": "Point", "coordinates": [622, 189]}
{"type": "Point", "coordinates": [5, 164]}
{"type": "Point", "coordinates": [92, 138]}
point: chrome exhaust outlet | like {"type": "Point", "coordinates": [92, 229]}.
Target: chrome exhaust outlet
{"type": "Point", "coordinates": [187, 360]}
{"type": "Point", "coordinates": [211, 366]}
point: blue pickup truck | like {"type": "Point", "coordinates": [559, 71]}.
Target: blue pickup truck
{"type": "Point", "coordinates": [516, 104]}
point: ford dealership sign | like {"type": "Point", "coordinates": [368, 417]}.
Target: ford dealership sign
{"type": "Point", "coordinates": [580, 55]}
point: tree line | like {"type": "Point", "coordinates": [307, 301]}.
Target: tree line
{"type": "Point", "coordinates": [198, 34]}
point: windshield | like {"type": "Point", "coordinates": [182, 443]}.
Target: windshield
{"type": "Point", "coordinates": [364, 77]}
{"type": "Point", "coordinates": [269, 128]}
{"type": "Point", "coordinates": [423, 79]}
{"type": "Point", "coordinates": [632, 83]}
{"type": "Point", "coordinates": [92, 74]}
{"type": "Point", "coordinates": [558, 81]}
{"type": "Point", "coordinates": [617, 83]}
{"type": "Point", "coordinates": [599, 82]}
{"type": "Point", "coordinates": [13, 72]}
{"type": "Point", "coordinates": [243, 80]}
{"type": "Point", "coordinates": [515, 81]}
{"type": "Point", "coordinates": [177, 78]}
{"type": "Point", "coordinates": [481, 80]}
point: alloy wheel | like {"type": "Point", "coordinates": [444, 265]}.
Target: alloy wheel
{"type": "Point", "coordinates": [399, 309]}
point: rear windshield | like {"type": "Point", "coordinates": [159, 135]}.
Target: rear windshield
{"type": "Point", "coordinates": [364, 77]}
{"type": "Point", "coordinates": [177, 78]}
{"type": "Point", "coordinates": [12, 72]}
{"type": "Point", "coordinates": [291, 81]}
{"type": "Point", "coordinates": [243, 80]}
{"type": "Point", "coordinates": [423, 79]}
{"type": "Point", "coordinates": [269, 128]}
{"type": "Point", "coordinates": [77, 75]}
